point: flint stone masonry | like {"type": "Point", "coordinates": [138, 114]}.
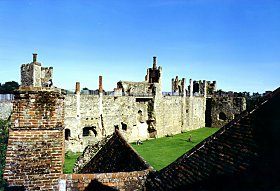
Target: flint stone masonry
{"type": "Point", "coordinates": [35, 152]}
{"type": "Point", "coordinates": [116, 113]}
{"type": "Point", "coordinates": [173, 114]}
{"type": "Point", "coordinates": [33, 74]}
{"type": "Point", "coordinates": [89, 152]}
{"type": "Point", "coordinates": [136, 88]}
{"type": "Point", "coordinates": [225, 109]}
{"type": "Point", "coordinates": [5, 109]}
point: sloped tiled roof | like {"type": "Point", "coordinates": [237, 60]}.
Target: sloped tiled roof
{"type": "Point", "coordinates": [242, 155]}
{"type": "Point", "coordinates": [116, 155]}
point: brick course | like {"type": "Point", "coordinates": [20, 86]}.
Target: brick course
{"type": "Point", "coordinates": [35, 152]}
{"type": "Point", "coordinates": [108, 181]}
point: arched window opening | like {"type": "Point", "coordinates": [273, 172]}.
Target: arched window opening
{"type": "Point", "coordinates": [67, 134]}
{"type": "Point", "coordinates": [124, 126]}
{"type": "Point", "coordinates": [89, 131]}
{"type": "Point", "coordinates": [222, 116]}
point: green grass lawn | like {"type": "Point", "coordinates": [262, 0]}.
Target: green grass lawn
{"type": "Point", "coordinates": [162, 151]}
{"type": "Point", "coordinates": [70, 159]}
{"type": "Point", "coordinates": [157, 152]}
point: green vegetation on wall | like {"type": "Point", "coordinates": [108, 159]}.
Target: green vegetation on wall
{"type": "Point", "coordinates": [4, 124]}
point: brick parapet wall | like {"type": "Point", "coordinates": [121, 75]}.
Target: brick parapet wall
{"type": "Point", "coordinates": [120, 180]}
{"type": "Point", "coordinates": [35, 152]}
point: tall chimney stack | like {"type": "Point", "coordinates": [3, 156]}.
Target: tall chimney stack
{"type": "Point", "coordinates": [78, 88]}
{"type": "Point", "coordinates": [34, 58]}
{"type": "Point", "coordinates": [154, 62]}
{"type": "Point", "coordinates": [100, 85]}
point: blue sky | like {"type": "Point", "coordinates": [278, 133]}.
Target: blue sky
{"type": "Point", "coordinates": [235, 42]}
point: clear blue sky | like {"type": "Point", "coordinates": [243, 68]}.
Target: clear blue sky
{"type": "Point", "coordinates": [235, 42]}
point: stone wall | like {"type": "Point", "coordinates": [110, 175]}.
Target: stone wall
{"type": "Point", "coordinates": [104, 181]}
{"type": "Point", "coordinates": [83, 111]}
{"type": "Point", "coordinates": [5, 109]}
{"type": "Point", "coordinates": [129, 114]}
{"type": "Point", "coordinates": [35, 152]}
{"type": "Point", "coordinates": [225, 109]}
{"type": "Point", "coordinates": [169, 115]}
{"type": "Point", "coordinates": [195, 108]}
{"type": "Point", "coordinates": [136, 88]}
{"type": "Point", "coordinates": [33, 74]}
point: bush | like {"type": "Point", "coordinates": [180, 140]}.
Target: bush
{"type": "Point", "coordinates": [4, 124]}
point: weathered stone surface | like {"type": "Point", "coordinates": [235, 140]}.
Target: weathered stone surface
{"type": "Point", "coordinates": [33, 74]}
{"type": "Point", "coordinates": [5, 109]}
{"type": "Point", "coordinates": [225, 109]}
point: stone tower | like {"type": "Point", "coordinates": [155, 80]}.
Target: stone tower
{"type": "Point", "coordinates": [35, 152]}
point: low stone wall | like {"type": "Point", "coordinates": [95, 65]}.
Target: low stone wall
{"type": "Point", "coordinates": [5, 109]}
{"type": "Point", "coordinates": [104, 181]}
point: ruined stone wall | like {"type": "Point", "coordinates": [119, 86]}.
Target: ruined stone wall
{"type": "Point", "coordinates": [195, 109]}
{"type": "Point", "coordinates": [5, 109]}
{"type": "Point", "coordinates": [82, 111]}
{"type": "Point", "coordinates": [136, 88]}
{"type": "Point", "coordinates": [225, 109]}
{"type": "Point", "coordinates": [104, 181]}
{"type": "Point", "coordinates": [35, 152]}
{"type": "Point", "coordinates": [175, 114]}
{"type": "Point", "coordinates": [129, 114]}
{"type": "Point", "coordinates": [169, 115]}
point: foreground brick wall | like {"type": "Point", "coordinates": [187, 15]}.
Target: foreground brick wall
{"type": "Point", "coordinates": [106, 181]}
{"type": "Point", "coordinates": [35, 151]}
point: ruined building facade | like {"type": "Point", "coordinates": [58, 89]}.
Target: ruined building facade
{"type": "Point", "coordinates": [138, 109]}
{"type": "Point", "coordinates": [46, 123]}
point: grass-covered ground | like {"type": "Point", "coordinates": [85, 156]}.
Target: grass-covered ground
{"type": "Point", "coordinates": [70, 159]}
{"type": "Point", "coordinates": [158, 152]}
{"type": "Point", "coordinates": [162, 151]}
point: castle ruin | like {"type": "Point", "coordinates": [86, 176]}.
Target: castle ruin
{"type": "Point", "coordinates": [46, 123]}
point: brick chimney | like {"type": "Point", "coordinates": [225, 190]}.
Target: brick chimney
{"type": "Point", "coordinates": [100, 85]}
{"type": "Point", "coordinates": [154, 62]}
{"type": "Point", "coordinates": [78, 88]}
{"type": "Point", "coordinates": [34, 58]}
